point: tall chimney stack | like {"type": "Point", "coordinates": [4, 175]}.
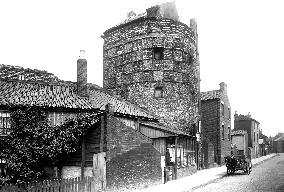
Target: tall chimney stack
{"type": "Point", "coordinates": [82, 75]}
{"type": "Point", "coordinates": [223, 87]}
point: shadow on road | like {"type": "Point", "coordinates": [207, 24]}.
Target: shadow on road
{"type": "Point", "coordinates": [232, 175]}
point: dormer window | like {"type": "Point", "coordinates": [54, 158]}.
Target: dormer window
{"type": "Point", "coordinates": [21, 77]}
{"type": "Point", "coordinates": [158, 53]}
{"type": "Point", "coordinates": [5, 124]}
{"type": "Point", "coordinates": [158, 93]}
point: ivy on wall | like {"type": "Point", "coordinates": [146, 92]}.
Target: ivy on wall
{"type": "Point", "coordinates": [33, 144]}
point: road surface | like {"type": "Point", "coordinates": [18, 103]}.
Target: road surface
{"type": "Point", "coordinates": [267, 177]}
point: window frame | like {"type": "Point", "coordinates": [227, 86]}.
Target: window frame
{"type": "Point", "coordinates": [159, 88]}
{"type": "Point", "coordinates": [158, 50]}
{"type": "Point", "coordinates": [222, 109]}
{"type": "Point", "coordinates": [5, 122]}
{"type": "Point", "coordinates": [223, 132]}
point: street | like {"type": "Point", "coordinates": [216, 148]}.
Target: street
{"type": "Point", "coordinates": [268, 176]}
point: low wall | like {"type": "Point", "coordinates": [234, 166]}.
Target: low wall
{"type": "Point", "coordinates": [186, 171]}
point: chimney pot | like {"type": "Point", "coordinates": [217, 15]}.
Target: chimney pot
{"type": "Point", "coordinates": [223, 87]}
{"type": "Point", "coordinates": [82, 54]}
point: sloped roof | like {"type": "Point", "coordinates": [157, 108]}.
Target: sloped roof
{"type": "Point", "coordinates": [280, 138]}
{"type": "Point", "coordinates": [41, 94]}
{"type": "Point", "coordinates": [9, 72]}
{"type": "Point", "coordinates": [165, 128]}
{"type": "Point", "coordinates": [100, 99]}
{"type": "Point", "coordinates": [40, 88]}
{"type": "Point", "coordinates": [215, 94]}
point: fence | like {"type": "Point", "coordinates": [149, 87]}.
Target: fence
{"type": "Point", "coordinates": [87, 184]}
{"type": "Point", "coordinates": [169, 173]}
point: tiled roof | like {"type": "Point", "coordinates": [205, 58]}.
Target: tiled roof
{"type": "Point", "coordinates": [9, 72]}
{"type": "Point", "coordinates": [215, 94]}
{"type": "Point", "coordinates": [40, 88]}
{"type": "Point", "coordinates": [100, 99]}
{"type": "Point", "coordinates": [41, 94]}
{"type": "Point", "coordinates": [164, 128]}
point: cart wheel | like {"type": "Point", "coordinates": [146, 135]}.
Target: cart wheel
{"type": "Point", "coordinates": [228, 170]}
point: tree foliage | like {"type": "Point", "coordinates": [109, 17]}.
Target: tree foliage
{"type": "Point", "coordinates": [34, 144]}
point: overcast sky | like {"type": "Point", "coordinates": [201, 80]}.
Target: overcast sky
{"type": "Point", "coordinates": [240, 43]}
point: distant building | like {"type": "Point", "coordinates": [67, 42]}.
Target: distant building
{"type": "Point", "coordinates": [278, 144]}
{"type": "Point", "coordinates": [251, 126]}
{"type": "Point", "coordinates": [216, 125]}
{"type": "Point", "coordinates": [263, 144]}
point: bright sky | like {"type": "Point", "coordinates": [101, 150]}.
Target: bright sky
{"type": "Point", "coordinates": [240, 43]}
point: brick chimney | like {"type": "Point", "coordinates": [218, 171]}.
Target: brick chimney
{"type": "Point", "coordinates": [82, 75]}
{"type": "Point", "coordinates": [223, 87]}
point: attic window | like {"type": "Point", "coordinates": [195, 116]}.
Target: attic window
{"type": "Point", "coordinates": [158, 53]}
{"type": "Point", "coordinates": [158, 93]}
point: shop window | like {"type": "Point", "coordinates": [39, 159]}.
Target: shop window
{"type": "Point", "coordinates": [5, 124]}
{"type": "Point", "coordinates": [158, 53]}
{"type": "Point", "coordinates": [158, 93]}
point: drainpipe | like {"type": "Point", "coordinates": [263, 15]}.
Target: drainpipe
{"type": "Point", "coordinates": [175, 167]}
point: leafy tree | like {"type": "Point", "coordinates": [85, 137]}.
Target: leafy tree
{"type": "Point", "coordinates": [34, 144]}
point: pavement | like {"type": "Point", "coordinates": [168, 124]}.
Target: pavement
{"type": "Point", "coordinates": [201, 178]}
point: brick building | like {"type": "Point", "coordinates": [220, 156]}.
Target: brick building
{"type": "Point", "coordinates": [251, 126]}
{"type": "Point", "coordinates": [216, 126]}
{"type": "Point", "coordinates": [151, 59]}
{"type": "Point", "coordinates": [278, 143]}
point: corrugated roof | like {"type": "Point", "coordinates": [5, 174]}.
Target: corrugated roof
{"type": "Point", "coordinates": [165, 128]}
{"type": "Point", "coordinates": [215, 94]}
{"type": "Point", "coordinates": [41, 94]}
{"type": "Point", "coordinates": [100, 99]}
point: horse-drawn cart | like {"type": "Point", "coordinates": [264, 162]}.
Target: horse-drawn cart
{"type": "Point", "coordinates": [240, 158]}
{"type": "Point", "coordinates": [236, 163]}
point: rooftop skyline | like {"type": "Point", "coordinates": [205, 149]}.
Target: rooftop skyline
{"type": "Point", "coordinates": [240, 43]}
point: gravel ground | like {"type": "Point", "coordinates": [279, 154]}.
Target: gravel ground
{"type": "Point", "coordinates": [267, 177]}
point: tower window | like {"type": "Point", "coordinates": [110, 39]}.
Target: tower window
{"type": "Point", "coordinates": [222, 109]}
{"type": "Point", "coordinates": [158, 53]}
{"type": "Point", "coordinates": [223, 132]}
{"type": "Point", "coordinates": [158, 93]}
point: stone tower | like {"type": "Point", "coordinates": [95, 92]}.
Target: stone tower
{"type": "Point", "coordinates": [151, 59]}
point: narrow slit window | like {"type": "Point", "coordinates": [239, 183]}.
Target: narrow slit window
{"type": "Point", "coordinates": [223, 132]}
{"type": "Point", "coordinates": [158, 53]}
{"type": "Point", "coordinates": [158, 93]}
